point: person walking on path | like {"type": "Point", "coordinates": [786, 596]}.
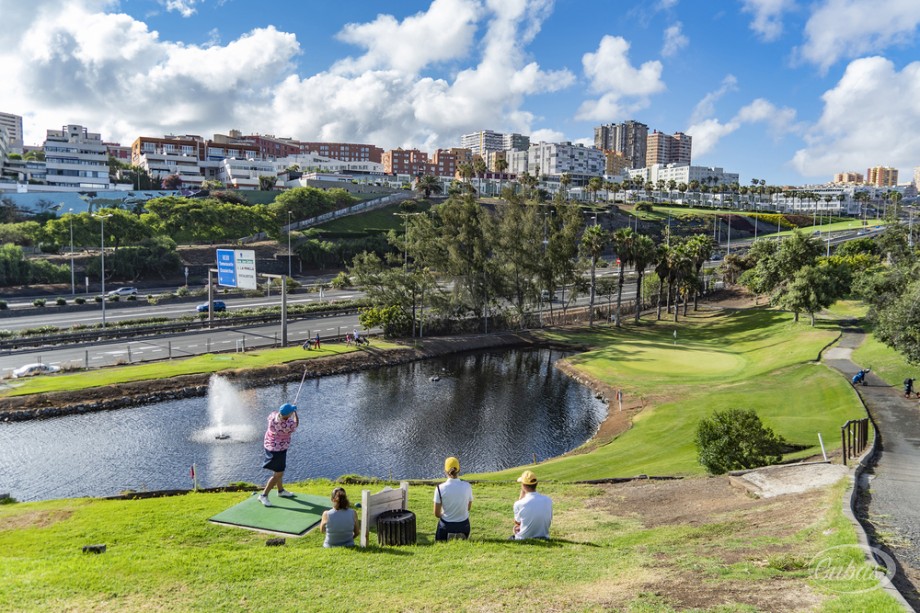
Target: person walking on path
{"type": "Point", "coordinates": [452, 502]}
{"type": "Point", "coordinates": [340, 523]}
{"type": "Point", "coordinates": [533, 512]}
{"type": "Point", "coordinates": [316, 340]}
{"type": "Point", "coordinates": [281, 425]}
{"type": "Point", "coordinates": [908, 387]}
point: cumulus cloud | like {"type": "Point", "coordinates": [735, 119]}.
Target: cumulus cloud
{"type": "Point", "coordinates": [707, 106]}
{"type": "Point", "coordinates": [186, 8]}
{"type": "Point", "coordinates": [623, 88]}
{"type": "Point", "coordinates": [768, 16]}
{"type": "Point", "coordinates": [548, 136]}
{"type": "Point", "coordinates": [708, 132]}
{"type": "Point", "coordinates": [865, 119]}
{"type": "Point", "coordinates": [89, 64]}
{"type": "Point", "coordinates": [840, 29]}
{"type": "Point", "coordinates": [674, 40]}
{"type": "Point", "coordinates": [443, 32]}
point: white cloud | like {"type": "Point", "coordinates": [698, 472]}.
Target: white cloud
{"type": "Point", "coordinates": [548, 136]}
{"type": "Point", "coordinates": [674, 40]}
{"type": "Point", "coordinates": [840, 29]}
{"type": "Point", "coordinates": [707, 106]}
{"type": "Point", "coordinates": [708, 132]}
{"type": "Point", "coordinates": [768, 16]}
{"type": "Point", "coordinates": [186, 8]}
{"type": "Point", "coordinates": [664, 5]}
{"type": "Point", "coordinates": [869, 118]}
{"type": "Point", "coordinates": [111, 73]}
{"type": "Point", "coordinates": [443, 32]}
{"type": "Point", "coordinates": [612, 75]}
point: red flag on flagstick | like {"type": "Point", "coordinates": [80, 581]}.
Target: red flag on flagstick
{"type": "Point", "coordinates": [192, 471]}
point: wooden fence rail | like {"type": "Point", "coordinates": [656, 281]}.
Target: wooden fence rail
{"type": "Point", "coordinates": [855, 437]}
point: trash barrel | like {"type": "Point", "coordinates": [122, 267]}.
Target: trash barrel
{"type": "Point", "coordinates": [396, 528]}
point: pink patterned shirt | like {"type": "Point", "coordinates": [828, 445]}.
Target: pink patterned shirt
{"type": "Point", "coordinates": [278, 434]}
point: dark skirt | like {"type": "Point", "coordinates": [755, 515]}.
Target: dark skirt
{"type": "Point", "coordinates": [275, 460]}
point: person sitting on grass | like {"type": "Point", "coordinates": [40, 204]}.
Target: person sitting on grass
{"type": "Point", "coordinates": [340, 523]}
{"type": "Point", "coordinates": [452, 502]}
{"type": "Point", "coordinates": [533, 512]}
{"type": "Point", "coordinates": [281, 426]}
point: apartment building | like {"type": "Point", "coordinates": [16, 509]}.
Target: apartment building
{"type": "Point", "coordinates": [616, 163]}
{"type": "Point", "coordinates": [849, 177]}
{"type": "Point", "coordinates": [13, 125]}
{"type": "Point", "coordinates": [405, 162]}
{"type": "Point", "coordinates": [882, 176]}
{"type": "Point", "coordinates": [556, 159]}
{"type": "Point", "coordinates": [243, 173]}
{"type": "Point", "coordinates": [347, 152]}
{"type": "Point", "coordinates": [313, 162]}
{"type": "Point", "coordinates": [272, 148]}
{"type": "Point", "coordinates": [484, 141]}
{"type": "Point", "coordinates": [169, 145]}
{"type": "Point", "coordinates": [118, 151]}
{"type": "Point", "coordinates": [684, 173]}
{"type": "Point", "coordinates": [76, 158]}
{"type": "Point", "coordinates": [629, 138]}
{"type": "Point", "coordinates": [667, 149]}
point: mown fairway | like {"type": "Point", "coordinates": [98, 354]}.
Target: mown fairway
{"type": "Point", "coordinates": [754, 358]}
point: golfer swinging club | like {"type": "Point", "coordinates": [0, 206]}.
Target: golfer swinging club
{"type": "Point", "coordinates": [281, 425]}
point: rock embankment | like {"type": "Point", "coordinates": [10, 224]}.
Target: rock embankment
{"type": "Point", "coordinates": [135, 393]}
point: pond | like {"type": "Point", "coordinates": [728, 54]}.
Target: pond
{"type": "Point", "coordinates": [493, 410]}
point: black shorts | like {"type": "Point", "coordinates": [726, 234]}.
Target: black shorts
{"type": "Point", "coordinates": [451, 527]}
{"type": "Point", "coordinates": [275, 460]}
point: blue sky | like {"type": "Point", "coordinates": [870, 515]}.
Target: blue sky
{"type": "Point", "coordinates": [790, 91]}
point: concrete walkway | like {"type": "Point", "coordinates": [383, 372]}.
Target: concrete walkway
{"type": "Point", "coordinates": [890, 506]}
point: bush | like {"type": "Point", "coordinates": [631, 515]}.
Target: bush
{"type": "Point", "coordinates": [182, 292]}
{"type": "Point", "coordinates": [98, 299]}
{"type": "Point", "coordinates": [38, 302]}
{"type": "Point", "coordinates": [113, 298]}
{"type": "Point", "coordinates": [341, 280]}
{"type": "Point", "coordinates": [3, 305]}
{"type": "Point", "coordinates": [645, 206]}
{"type": "Point", "coordinates": [60, 301]}
{"type": "Point", "coordinates": [736, 439]}
{"type": "Point", "coordinates": [79, 300]}
{"type": "Point", "coordinates": [131, 297]}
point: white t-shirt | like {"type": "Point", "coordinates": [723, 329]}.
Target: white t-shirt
{"type": "Point", "coordinates": [535, 513]}
{"type": "Point", "coordinates": [455, 498]}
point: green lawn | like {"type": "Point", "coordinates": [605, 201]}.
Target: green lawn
{"type": "Point", "coordinates": [884, 361]}
{"type": "Point", "coordinates": [207, 363]}
{"type": "Point", "coordinates": [163, 555]}
{"type": "Point", "coordinates": [755, 358]}
{"type": "Point", "coordinates": [377, 221]}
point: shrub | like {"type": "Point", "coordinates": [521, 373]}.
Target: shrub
{"type": "Point", "coordinates": [60, 301]}
{"type": "Point", "coordinates": [736, 439]}
{"type": "Point", "coordinates": [645, 206]}
{"type": "Point", "coordinates": [182, 292]}
{"type": "Point", "coordinates": [131, 297]}
{"type": "Point", "coordinates": [341, 280]}
{"type": "Point", "coordinates": [98, 299]}
{"type": "Point", "coordinates": [79, 300]}
{"type": "Point", "coordinates": [39, 302]}
{"type": "Point", "coordinates": [113, 298]}
{"type": "Point", "coordinates": [3, 305]}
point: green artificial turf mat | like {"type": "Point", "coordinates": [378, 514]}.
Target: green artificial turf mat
{"type": "Point", "coordinates": [294, 516]}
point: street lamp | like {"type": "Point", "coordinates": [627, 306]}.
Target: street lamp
{"type": "Point", "coordinates": [102, 262]}
{"type": "Point", "coordinates": [289, 244]}
{"type": "Point", "coordinates": [73, 285]}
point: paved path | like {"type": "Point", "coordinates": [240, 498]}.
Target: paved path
{"type": "Point", "coordinates": [890, 507]}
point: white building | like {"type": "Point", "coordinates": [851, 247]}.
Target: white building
{"type": "Point", "coordinates": [76, 158]}
{"type": "Point", "coordinates": [480, 143]}
{"type": "Point", "coordinates": [556, 159]}
{"type": "Point", "coordinates": [13, 125]}
{"type": "Point", "coordinates": [159, 165]}
{"type": "Point", "coordinates": [312, 162]}
{"type": "Point", "coordinates": [684, 173]}
{"type": "Point", "coordinates": [244, 174]}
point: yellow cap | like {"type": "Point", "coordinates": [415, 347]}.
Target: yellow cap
{"type": "Point", "coordinates": [451, 464]}
{"type": "Point", "coordinates": [527, 478]}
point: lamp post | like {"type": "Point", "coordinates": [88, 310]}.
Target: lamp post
{"type": "Point", "coordinates": [289, 244]}
{"type": "Point", "coordinates": [73, 284]}
{"type": "Point", "coordinates": [102, 262]}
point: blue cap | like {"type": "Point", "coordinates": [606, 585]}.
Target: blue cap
{"type": "Point", "coordinates": [286, 409]}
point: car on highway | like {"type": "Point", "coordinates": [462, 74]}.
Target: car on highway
{"type": "Point", "coordinates": [37, 368]}
{"type": "Point", "coordinates": [123, 291]}
{"type": "Point", "coordinates": [219, 306]}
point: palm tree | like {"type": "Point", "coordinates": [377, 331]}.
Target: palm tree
{"type": "Point", "coordinates": [501, 165]}
{"type": "Point", "coordinates": [564, 182]}
{"type": "Point", "coordinates": [662, 269]}
{"type": "Point", "coordinates": [695, 187]}
{"type": "Point", "coordinates": [623, 242]}
{"type": "Point", "coordinates": [699, 250]}
{"type": "Point", "coordinates": [672, 185]}
{"type": "Point", "coordinates": [480, 169]}
{"type": "Point", "coordinates": [644, 254]}
{"type": "Point", "coordinates": [593, 242]}
{"type": "Point", "coordinates": [595, 184]}
{"type": "Point", "coordinates": [428, 184]}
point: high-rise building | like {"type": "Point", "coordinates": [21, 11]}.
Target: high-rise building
{"type": "Point", "coordinates": [556, 159]}
{"type": "Point", "coordinates": [629, 138]}
{"type": "Point", "coordinates": [13, 125]}
{"type": "Point", "coordinates": [76, 158]}
{"type": "Point", "coordinates": [882, 176]}
{"type": "Point", "coordinates": [665, 149]}
{"type": "Point", "coordinates": [849, 177]}
{"type": "Point", "coordinates": [484, 141]}
{"type": "Point", "coordinates": [917, 177]}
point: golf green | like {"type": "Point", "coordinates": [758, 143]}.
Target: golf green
{"type": "Point", "coordinates": [295, 515]}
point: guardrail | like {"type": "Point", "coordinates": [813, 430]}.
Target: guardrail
{"type": "Point", "coordinates": [160, 329]}
{"type": "Point", "coordinates": [855, 437]}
